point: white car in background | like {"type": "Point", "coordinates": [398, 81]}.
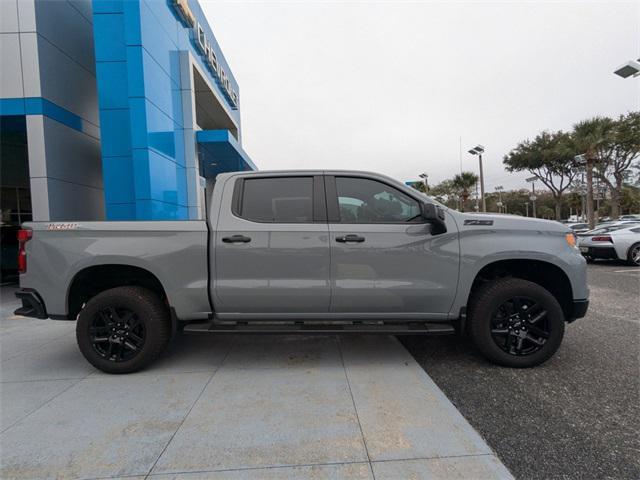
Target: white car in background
{"type": "Point", "coordinates": [620, 242]}
{"type": "Point", "coordinates": [578, 227]}
{"type": "Point", "coordinates": [612, 223]}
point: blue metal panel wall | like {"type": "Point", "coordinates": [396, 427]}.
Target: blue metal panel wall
{"type": "Point", "coordinates": [137, 46]}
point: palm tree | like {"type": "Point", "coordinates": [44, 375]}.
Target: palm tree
{"type": "Point", "coordinates": [589, 137]}
{"type": "Point", "coordinates": [463, 183]}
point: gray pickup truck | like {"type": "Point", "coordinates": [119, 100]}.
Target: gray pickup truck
{"type": "Point", "coordinates": [306, 252]}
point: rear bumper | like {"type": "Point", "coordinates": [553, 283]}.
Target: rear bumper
{"type": "Point", "coordinates": [32, 304]}
{"type": "Point", "coordinates": [580, 308]}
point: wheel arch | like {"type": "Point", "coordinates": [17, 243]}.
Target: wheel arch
{"type": "Point", "coordinates": [91, 280]}
{"type": "Point", "coordinates": [628, 252]}
{"type": "Point", "coordinates": [546, 274]}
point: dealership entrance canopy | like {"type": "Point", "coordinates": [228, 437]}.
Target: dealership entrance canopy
{"type": "Point", "coordinates": [117, 109]}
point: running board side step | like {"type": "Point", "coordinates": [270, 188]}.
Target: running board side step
{"type": "Point", "coordinates": [410, 328]}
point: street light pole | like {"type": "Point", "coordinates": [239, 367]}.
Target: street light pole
{"type": "Point", "coordinates": [479, 150]}
{"type": "Point", "coordinates": [425, 178]}
{"type": "Point", "coordinates": [532, 181]}
{"type": "Point", "coordinates": [477, 208]}
{"type": "Point", "coordinates": [587, 161]}
{"type": "Point", "coordinates": [583, 201]}
{"type": "Point", "coordinates": [499, 190]}
{"type": "Point", "coordinates": [484, 200]}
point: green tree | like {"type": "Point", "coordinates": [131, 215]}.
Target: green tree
{"type": "Point", "coordinates": [615, 152]}
{"type": "Point", "coordinates": [462, 184]}
{"type": "Point", "coordinates": [445, 192]}
{"type": "Point", "coordinates": [630, 199]}
{"type": "Point", "coordinates": [420, 186]}
{"type": "Point", "coordinates": [546, 212]}
{"type": "Point", "coordinates": [514, 201]}
{"type": "Point", "coordinates": [549, 157]}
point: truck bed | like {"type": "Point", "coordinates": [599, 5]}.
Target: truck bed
{"type": "Point", "coordinates": [175, 252]}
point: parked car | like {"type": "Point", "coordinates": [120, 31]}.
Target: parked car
{"type": "Point", "coordinates": [307, 252]}
{"type": "Point", "coordinates": [578, 227]}
{"type": "Point", "coordinates": [622, 223]}
{"type": "Point", "coordinates": [620, 242]}
{"type": "Point", "coordinates": [635, 217]}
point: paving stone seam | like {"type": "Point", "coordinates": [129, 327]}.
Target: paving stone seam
{"type": "Point", "coordinates": [148, 474]}
{"type": "Point", "coordinates": [35, 347]}
{"type": "Point", "coordinates": [102, 376]}
{"type": "Point", "coordinates": [271, 467]}
{"type": "Point", "coordinates": [45, 403]}
{"type": "Point", "coordinates": [7, 382]}
{"type": "Point", "coordinates": [353, 402]}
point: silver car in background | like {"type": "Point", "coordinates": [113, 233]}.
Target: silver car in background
{"type": "Point", "coordinates": [620, 242]}
{"type": "Point", "coordinates": [578, 228]}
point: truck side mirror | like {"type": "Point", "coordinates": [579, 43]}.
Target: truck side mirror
{"type": "Point", "coordinates": [435, 216]}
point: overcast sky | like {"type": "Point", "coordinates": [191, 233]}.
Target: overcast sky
{"type": "Point", "coordinates": [392, 86]}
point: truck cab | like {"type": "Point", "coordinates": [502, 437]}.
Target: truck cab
{"type": "Point", "coordinates": [329, 245]}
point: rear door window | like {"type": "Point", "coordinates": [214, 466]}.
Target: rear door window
{"type": "Point", "coordinates": [277, 200]}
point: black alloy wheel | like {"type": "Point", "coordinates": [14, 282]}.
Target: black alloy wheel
{"type": "Point", "coordinates": [117, 334]}
{"type": "Point", "coordinates": [515, 322]}
{"type": "Point", "coordinates": [519, 326]}
{"type": "Point", "coordinates": [123, 329]}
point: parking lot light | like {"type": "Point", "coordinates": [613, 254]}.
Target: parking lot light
{"type": "Point", "coordinates": [479, 150]}
{"type": "Point", "coordinates": [425, 178]}
{"type": "Point", "coordinates": [629, 69]}
{"type": "Point", "coordinates": [499, 189]}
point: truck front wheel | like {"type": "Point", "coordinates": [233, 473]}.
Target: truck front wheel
{"type": "Point", "coordinates": [123, 329]}
{"type": "Point", "coordinates": [516, 323]}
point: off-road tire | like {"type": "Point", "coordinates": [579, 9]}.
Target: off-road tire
{"type": "Point", "coordinates": [150, 311]}
{"type": "Point", "coordinates": [484, 305]}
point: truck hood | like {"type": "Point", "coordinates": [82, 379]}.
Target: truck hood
{"type": "Point", "coordinates": [509, 222]}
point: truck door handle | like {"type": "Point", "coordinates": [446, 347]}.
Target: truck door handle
{"type": "Point", "coordinates": [350, 238]}
{"type": "Point", "coordinates": [236, 239]}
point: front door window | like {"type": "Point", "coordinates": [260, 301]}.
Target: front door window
{"type": "Point", "coordinates": [361, 200]}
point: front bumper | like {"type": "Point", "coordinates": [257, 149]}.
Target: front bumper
{"type": "Point", "coordinates": [579, 310]}
{"type": "Point", "coordinates": [32, 304]}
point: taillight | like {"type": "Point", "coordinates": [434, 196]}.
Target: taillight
{"type": "Point", "coordinates": [23, 237]}
{"type": "Point", "coordinates": [604, 238]}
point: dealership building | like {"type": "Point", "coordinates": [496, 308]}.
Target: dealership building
{"type": "Point", "coordinates": [117, 110]}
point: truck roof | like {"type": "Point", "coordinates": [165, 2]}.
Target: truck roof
{"type": "Point", "coordinates": [313, 172]}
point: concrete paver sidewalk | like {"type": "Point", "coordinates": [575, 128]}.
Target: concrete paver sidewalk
{"type": "Point", "coordinates": [257, 407]}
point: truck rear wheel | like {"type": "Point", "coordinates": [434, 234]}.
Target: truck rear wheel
{"type": "Point", "coordinates": [123, 329]}
{"type": "Point", "coordinates": [516, 323]}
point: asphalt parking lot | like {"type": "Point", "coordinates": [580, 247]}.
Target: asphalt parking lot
{"type": "Point", "coordinates": [578, 415]}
